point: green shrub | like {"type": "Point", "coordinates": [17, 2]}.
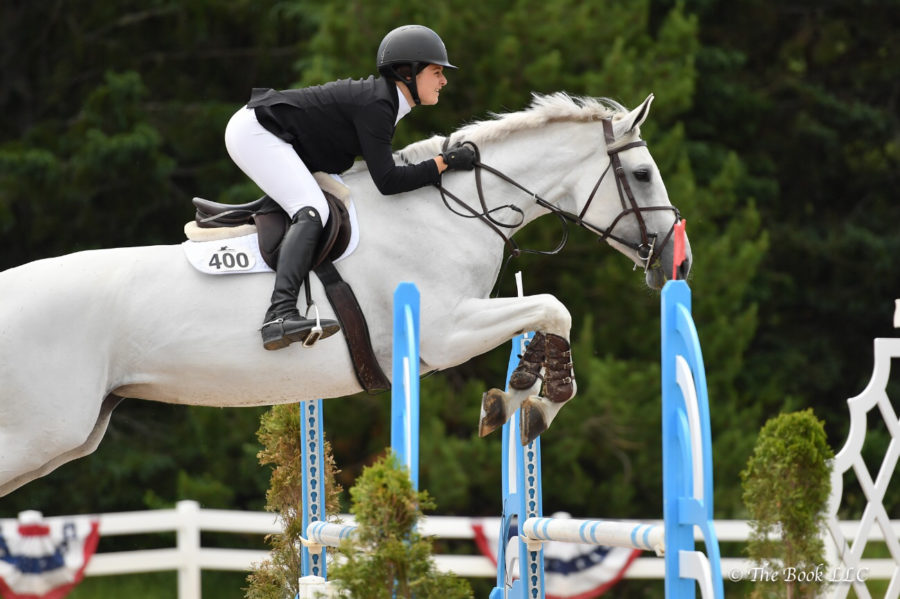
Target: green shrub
{"type": "Point", "coordinates": [388, 557]}
{"type": "Point", "coordinates": [786, 488]}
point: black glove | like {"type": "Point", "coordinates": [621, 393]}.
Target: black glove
{"type": "Point", "coordinates": [459, 157]}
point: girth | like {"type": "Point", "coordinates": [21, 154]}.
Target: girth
{"type": "Point", "coordinates": [272, 223]}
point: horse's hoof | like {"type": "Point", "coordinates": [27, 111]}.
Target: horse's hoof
{"type": "Point", "coordinates": [493, 411]}
{"type": "Point", "coordinates": [532, 421]}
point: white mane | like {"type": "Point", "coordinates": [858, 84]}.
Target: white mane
{"type": "Point", "coordinates": [544, 109]}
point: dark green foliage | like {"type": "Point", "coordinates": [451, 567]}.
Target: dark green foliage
{"type": "Point", "coordinates": [799, 91]}
{"type": "Point", "coordinates": [786, 488]}
{"type": "Point", "coordinates": [152, 456]}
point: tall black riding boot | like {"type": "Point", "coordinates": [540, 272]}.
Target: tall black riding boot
{"type": "Point", "coordinates": [283, 324]}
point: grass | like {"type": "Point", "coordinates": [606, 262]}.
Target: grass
{"type": "Point", "coordinates": [159, 585]}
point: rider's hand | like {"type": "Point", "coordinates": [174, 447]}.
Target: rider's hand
{"type": "Point", "coordinates": [459, 157]}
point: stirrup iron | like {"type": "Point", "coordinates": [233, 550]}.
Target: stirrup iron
{"type": "Point", "coordinates": [316, 332]}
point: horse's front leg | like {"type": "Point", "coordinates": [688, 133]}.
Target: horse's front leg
{"type": "Point", "coordinates": [478, 325]}
{"type": "Point", "coordinates": [541, 383]}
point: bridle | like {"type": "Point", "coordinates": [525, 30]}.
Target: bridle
{"type": "Point", "coordinates": [646, 249]}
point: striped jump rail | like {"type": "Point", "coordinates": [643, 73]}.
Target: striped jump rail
{"type": "Point", "coordinates": [646, 537]}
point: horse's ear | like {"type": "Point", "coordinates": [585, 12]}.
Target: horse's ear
{"type": "Point", "coordinates": [634, 119]}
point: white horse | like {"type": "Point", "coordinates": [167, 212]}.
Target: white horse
{"type": "Point", "coordinates": [81, 331]}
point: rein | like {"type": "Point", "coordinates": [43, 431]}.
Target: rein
{"type": "Point", "coordinates": [646, 249]}
{"type": "Point", "coordinates": [485, 214]}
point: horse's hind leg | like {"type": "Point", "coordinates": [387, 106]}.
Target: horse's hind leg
{"type": "Point", "coordinates": [88, 446]}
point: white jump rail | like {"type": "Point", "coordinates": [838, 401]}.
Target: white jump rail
{"type": "Point", "coordinates": [649, 537]}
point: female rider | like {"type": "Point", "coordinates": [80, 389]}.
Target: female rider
{"type": "Point", "coordinates": [280, 137]}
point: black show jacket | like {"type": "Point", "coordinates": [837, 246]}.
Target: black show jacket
{"type": "Point", "coordinates": [330, 125]}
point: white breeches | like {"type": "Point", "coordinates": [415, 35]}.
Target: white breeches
{"type": "Point", "coordinates": [272, 164]}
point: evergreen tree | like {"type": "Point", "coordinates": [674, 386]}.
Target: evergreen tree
{"type": "Point", "coordinates": [786, 484]}
{"type": "Point", "coordinates": [388, 557]}
{"type": "Point", "coordinates": [800, 92]}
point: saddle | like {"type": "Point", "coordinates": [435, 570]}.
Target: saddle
{"type": "Point", "coordinates": [272, 223]}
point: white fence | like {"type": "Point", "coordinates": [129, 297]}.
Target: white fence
{"type": "Point", "coordinates": [189, 557]}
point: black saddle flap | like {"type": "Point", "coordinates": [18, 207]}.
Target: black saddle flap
{"type": "Point", "coordinates": [272, 223]}
{"type": "Point", "coordinates": [211, 215]}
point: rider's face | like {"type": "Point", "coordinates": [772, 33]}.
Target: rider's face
{"type": "Point", "coordinates": [429, 83]}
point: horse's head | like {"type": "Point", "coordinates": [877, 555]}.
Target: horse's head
{"type": "Point", "coordinates": [582, 159]}
{"type": "Point", "coordinates": [623, 198]}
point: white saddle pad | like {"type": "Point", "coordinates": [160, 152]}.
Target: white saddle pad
{"type": "Point", "coordinates": [235, 250]}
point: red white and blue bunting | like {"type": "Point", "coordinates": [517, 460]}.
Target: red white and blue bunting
{"type": "Point", "coordinates": [571, 570]}
{"type": "Point", "coordinates": [45, 558]}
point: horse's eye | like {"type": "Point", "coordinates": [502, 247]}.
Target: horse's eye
{"type": "Point", "coordinates": [642, 175]}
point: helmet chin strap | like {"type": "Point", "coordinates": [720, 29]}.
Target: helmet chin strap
{"type": "Point", "coordinates": [413, 90]}
{"type": "Point", "coordinates": [411, 82]}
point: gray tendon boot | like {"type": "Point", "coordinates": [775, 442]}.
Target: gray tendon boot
{"type": "Point", "coordinates": [283, 324]}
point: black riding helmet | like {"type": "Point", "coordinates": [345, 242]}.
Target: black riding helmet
{"type": "Point", "coordinates": [413, 45]}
